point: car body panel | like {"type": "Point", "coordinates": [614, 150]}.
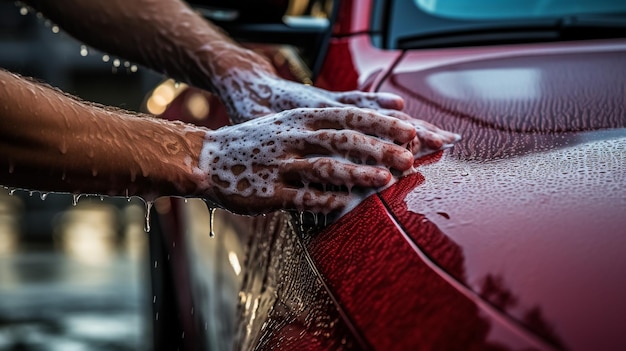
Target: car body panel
{"type": "Point", "coordinates": [534, 194]}
{"type": "Point", "coordinates": [396, 297]}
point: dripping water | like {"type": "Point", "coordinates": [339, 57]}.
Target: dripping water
{"type": "Point", "coordinates": [211, 221]}
{"type": "Point", "coordinates": [148, 208]}
{"type": "Point", "coordinates": [75, 198]}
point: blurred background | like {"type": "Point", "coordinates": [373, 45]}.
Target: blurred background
{"type": "Point", "coordinates": [72, 277]}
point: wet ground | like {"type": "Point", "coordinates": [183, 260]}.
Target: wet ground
{"type": "Point", "coordinates": [84, 289]}
{"type": "Point", "coordinates": [49, 301]}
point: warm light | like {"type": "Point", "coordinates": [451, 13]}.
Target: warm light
{"type": "Point", "coordinates": [165, 91]}
{"type": "Point", "coordinates": [198, 106]}
{"type": "Point", "coordinates": [234, 261]}
{"type": "Point", "coordinates": [9, 226]}
{"type": "Point", "coordinates": [87, 233]}
{"type": "Point", "coordinates": [154, 107]}
{"type": "Point", "coordinates": [162, 96]}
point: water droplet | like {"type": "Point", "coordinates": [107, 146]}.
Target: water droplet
{"type": "Point", "coordinates": [148, 208]}
{"type": "Point", "coordinates": [133, 68]}
{"type": "Point", "coordinates": [75, 198]}
{"type": "Point", "coordinates": [211, 220]}
{"type": "Point", "coordinates": [55, 29]}
{"type": "Point", "coordinates": [30, 193]}
{"type": "Point", "coordinates": [106, 58]}
{"type": "Point", "coordinates": [154, 299]}
{"type": "Point", "coordinates": [116, 63]}
{"type": "Point", "coordinates": [24, 11]}
{"type": "Point", "coordinates": [157, 316]}
{"type": "Point", "coordinates": [185, 200]}
{"type": "Point", "coordinates": [192, 311]}
{"type": "Point", "coordinates": [43, 196]}
{"type": "Point", "coordinates": [183, 336]}
{"type": "Point", "coordinates": [83, 51]}
{"type": "Point", "coordinates": [444, 215]}
{"type": "Point", "coordinates": [11, 192]}
{"type": "Point", "coordinates": [11, 168]}
{"type": "Point", "coordinates": [176, 85]}
{"type": "Point", "coordinates": [156, 264]}
{"type": "Point", "coordinates": [126, 64]}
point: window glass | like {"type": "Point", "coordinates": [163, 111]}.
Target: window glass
{"type": "Point", "coordinates": [511, 9]}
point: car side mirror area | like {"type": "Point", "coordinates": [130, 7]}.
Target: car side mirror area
{"type": "Point", "coordinates": [303, 24]}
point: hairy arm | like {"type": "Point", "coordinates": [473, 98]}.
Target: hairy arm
{"type": "Point", "coordinates": [169, 37]}
{"type": "Point", "coordinates": [53, 142]}
{"type": "Point", "coordinates": [165, 35]}
{"type": "Point", "coordinates": [50, 141]}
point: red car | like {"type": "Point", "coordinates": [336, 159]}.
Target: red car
{"type": "Point", "coordinates": [514, 239]}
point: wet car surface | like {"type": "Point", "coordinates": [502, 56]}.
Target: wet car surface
{"type": "Point", "coordinates": [512, 239]}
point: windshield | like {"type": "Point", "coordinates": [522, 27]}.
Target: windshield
{"type": "Point", "coordinates": [416, 24]}
{"type": "Point", "coordinates": [517, 9]}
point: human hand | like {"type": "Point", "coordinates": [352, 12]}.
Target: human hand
{"type": "Point", "coordinates": [254, 92]}
{"type": "Point", "coordinates": [428, 139]}
{"type": "Point", "coordinates": [287, 160]}
{"type": "Point", "coordinates": [258, 93]}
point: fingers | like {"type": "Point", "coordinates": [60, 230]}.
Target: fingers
{"type": "Point", "coordinates": [428, 135]}
{"type": "Point", "coordinates": [354, 145]}
{"type": "Point", "coordinates": [371, 100]}
{"type": "Point", "coordinates": [365, 121]}
{"type": "Point", "coordinates": [323, 170]}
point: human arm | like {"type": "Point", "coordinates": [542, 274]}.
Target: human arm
{"type": "Point", "coordinates": [53, 142]}
{"type": "Point", "coordinates": [169, 37]}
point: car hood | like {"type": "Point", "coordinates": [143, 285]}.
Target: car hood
{"type": "Point", "coordinates": [532, 201]}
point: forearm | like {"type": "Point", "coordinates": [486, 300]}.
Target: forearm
{"type": "Point", "coordinates": [53, 142]}
{"type": "Point", "coordinates": [165, 35]}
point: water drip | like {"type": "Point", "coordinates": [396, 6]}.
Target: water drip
{"type": "Point", "coordinates": [43, 196]}
{"type": "Point", "coordinates": [75, 198]}
{"type": "Point", "coordinates": [148, 208]}
{"type": "Point", "coordinates": [211, 221]}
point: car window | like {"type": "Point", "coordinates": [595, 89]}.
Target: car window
{"type": "Point", "coordinates": [516, 9]}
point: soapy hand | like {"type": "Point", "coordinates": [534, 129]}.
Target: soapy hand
{"type": "Point", "coordinates": [298, 159]}
{"type": "Point", "coordinates": [429, 138]}
{"type": "Point", "coordinates": [252, 92]}
{"type": "Point", "coordinates": [255, 92]}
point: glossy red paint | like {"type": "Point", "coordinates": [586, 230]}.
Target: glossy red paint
{"type": "Point", "coordinates": [525, 215]}
{"type": "Point", "coordinates": [396, 297]}
{"type": "Point", "coordinates": [535, 193]}
{"type": "Point", "coordinates": [353, 17]}
{"type": "Point", "coordinates": [354, 63]}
